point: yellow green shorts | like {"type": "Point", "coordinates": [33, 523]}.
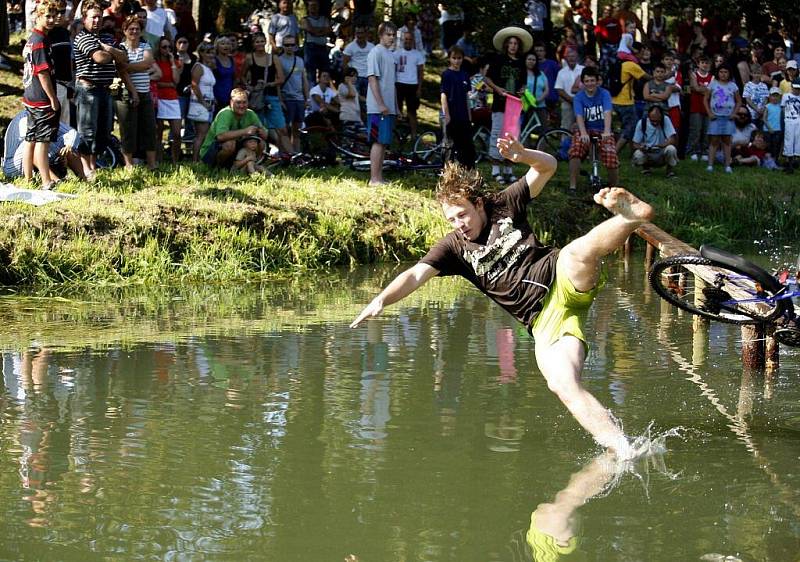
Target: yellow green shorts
{"type": "Point", "coordinates": [564, 310]}
{"type": "Point", "coordinates": [547, 549]}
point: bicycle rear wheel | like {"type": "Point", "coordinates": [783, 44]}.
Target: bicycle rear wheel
{"type": "Point", "coordinates": [389, 165]}
{"type": "Point", "coordinates": [350, 147]}
{"type": "Point", "coordinates": [556, 143]}
{"type": "Point", "coordinates": [715, 291]}
{"type": "Point", "coordinates": [427, 148]}
{"type": "Point", "coordinates": [481, 142]}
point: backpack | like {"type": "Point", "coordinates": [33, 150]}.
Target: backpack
{"type": "Point", "coordinates": [614, 82]}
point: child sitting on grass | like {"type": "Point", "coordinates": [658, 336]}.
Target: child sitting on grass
{"type": "Point", "coordinates": [247, 158]}
{"type": "Point", "coordinates": [756, 153]}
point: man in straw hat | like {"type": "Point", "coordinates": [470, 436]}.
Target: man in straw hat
{"type": "Point", "coordinates": [549, 291]}
{"type": "Point", "coordinates": [506, 75]}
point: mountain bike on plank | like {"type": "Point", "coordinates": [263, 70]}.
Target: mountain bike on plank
{"type": "Point", "coordinates": [727, 288]}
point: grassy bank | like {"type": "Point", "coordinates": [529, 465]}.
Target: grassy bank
{"type": "Point", "coordinates": [184, 224]}
{"type": "Point", "coordinates": [190, 224]}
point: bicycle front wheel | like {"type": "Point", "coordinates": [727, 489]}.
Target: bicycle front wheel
{"type": "Point", "coordinates": [427, 148]}
{"type": "Point", "coordinates": [556, 143]}
{"type": "Point", "coordinates": [715, 291]}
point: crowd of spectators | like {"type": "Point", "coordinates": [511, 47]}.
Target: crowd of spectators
{"type": "Point", "coordinates": [689, 85]}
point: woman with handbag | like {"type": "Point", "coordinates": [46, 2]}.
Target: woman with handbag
{"type": "Point", "coordinates": [135, 111]}
{"type": "Point", "coordinates": [201, 99]}
{"type": "Point", "coordinates": [263, 75]}
{"type": "Point", "coordinates": [169, 108]}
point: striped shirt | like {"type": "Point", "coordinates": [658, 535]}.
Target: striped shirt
{"type": "Point", "coordinates": [140, 80]}
{"type": "Point", "coordinates": [36, 55]}
{"type": "Point", "coordinates": [99, 74]}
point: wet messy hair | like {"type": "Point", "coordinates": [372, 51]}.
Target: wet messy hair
{"type": "Point", "coordinates": [458, 182]}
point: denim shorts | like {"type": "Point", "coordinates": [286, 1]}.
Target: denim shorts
{"type": "Point", "coordinates": [295, 111]}
{"type": "Point", "coordinates": [721, 126]}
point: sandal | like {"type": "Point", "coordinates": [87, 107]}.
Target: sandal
{"type": "Point", "coordinates": [511, 178]}
{"type": "Point", "coordinates": [499, 178]}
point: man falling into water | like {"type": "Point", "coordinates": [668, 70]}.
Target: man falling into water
{"type": "Point", "coordinates": [549, 291]}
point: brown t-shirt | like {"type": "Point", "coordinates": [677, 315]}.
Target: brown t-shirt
{"type": "Point", "coordinates": [506, 263]}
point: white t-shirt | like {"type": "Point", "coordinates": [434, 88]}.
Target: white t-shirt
{"type": "Point", "coordinates": [674, 99]}
{"type": "Point", "coordinates": [565, 79]}
{"type": "Point", "coordinates": [401, 33]}
{"type": "Point", "coordinates": [157, 25]}
{"type": "Point", "coordinates": [358, 56]}
{"type": "Point", "coordinates": [380, 63]}
{"type": "Point", "coordinates": [327, 96]}
{"type": "Point", "coordinates": [791, 107]}
{"type": "Point", "coordinates": [407, 63]}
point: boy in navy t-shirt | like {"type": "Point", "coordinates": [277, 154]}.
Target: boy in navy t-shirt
{"type": "Point", "coordinates": [455, 107]}
{"type": "Point", "coordinates": [592, 107]}
{"type": "Point", "coordinates": [40, 97]}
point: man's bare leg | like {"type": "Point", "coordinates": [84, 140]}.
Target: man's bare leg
{"type": "Point", "coordinates": [562, 362]}
{"type": "Point", "coordinates": [582, 256]}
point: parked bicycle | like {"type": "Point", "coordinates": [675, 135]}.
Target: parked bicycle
{"type": "Point", "coordinates": [727, 288]}
{"type": "Point", "coordinates": [112, 156]}
{"type": "Point", "coordinates": [535, 134]}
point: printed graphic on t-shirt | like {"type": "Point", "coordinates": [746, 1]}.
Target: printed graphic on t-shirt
{"type": "Point", "coordinates": [791, 108]}
{"type": "Point", "coordinates": [723, 98]}
{"type": "Point", "coordinates": [503, 252]}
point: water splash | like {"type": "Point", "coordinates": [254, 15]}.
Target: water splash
{"type": "Point", "coordinates": [645, 457]}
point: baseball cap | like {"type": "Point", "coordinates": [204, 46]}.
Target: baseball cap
{"type": "Point", "coordinates": [792, 64]}
{"type": "Point", "coordinates": [775, 90]}
{"type": "Point", "coordinates": [796, 83]}
{"type": "Point", "coordinates": [251, 137]}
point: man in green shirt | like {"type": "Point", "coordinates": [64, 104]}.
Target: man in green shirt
{"type": "Point", "coordinates": [231, 125]}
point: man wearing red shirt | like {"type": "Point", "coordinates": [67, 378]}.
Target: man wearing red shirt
{"type": "Point", "coordinates": [608, 32]}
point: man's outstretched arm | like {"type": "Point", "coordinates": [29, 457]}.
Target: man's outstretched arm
{"type": "Point", "coordinates": [542, 165]}
{"type": "Point", "coordinates": [402, 286]}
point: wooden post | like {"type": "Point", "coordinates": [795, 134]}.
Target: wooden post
{"type": "Point", "coordinates": [649, 256]}
{"type": "Point", "coordinates": [699, 327]}
{"type": "Point", "coordinates": [771, 350]}
{"type": "Point", "coordinates": [753, 346]}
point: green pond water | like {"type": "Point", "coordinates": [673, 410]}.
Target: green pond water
{"type": "Point", "coordinates": [250, 423]}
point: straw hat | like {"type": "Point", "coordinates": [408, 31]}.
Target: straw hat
{"type": "Point", "coordinates": [512, 31]}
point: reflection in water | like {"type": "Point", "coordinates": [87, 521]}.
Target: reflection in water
{"type": "Point", "coordinates": [374, 390]}
{"type": "Point", "coordinates": [553, 534]}
{"type": "Point", "coordinates": [216, 435]}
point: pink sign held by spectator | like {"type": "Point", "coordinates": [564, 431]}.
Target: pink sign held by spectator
{"type": "Point", "coordinates": [511, 117]}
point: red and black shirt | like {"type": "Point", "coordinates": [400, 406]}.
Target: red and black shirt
{"type": "Point", "coordinates": [36, 57]}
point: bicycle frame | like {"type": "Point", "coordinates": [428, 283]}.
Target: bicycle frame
{"type": "Point", "coordinates": [594, 151]}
